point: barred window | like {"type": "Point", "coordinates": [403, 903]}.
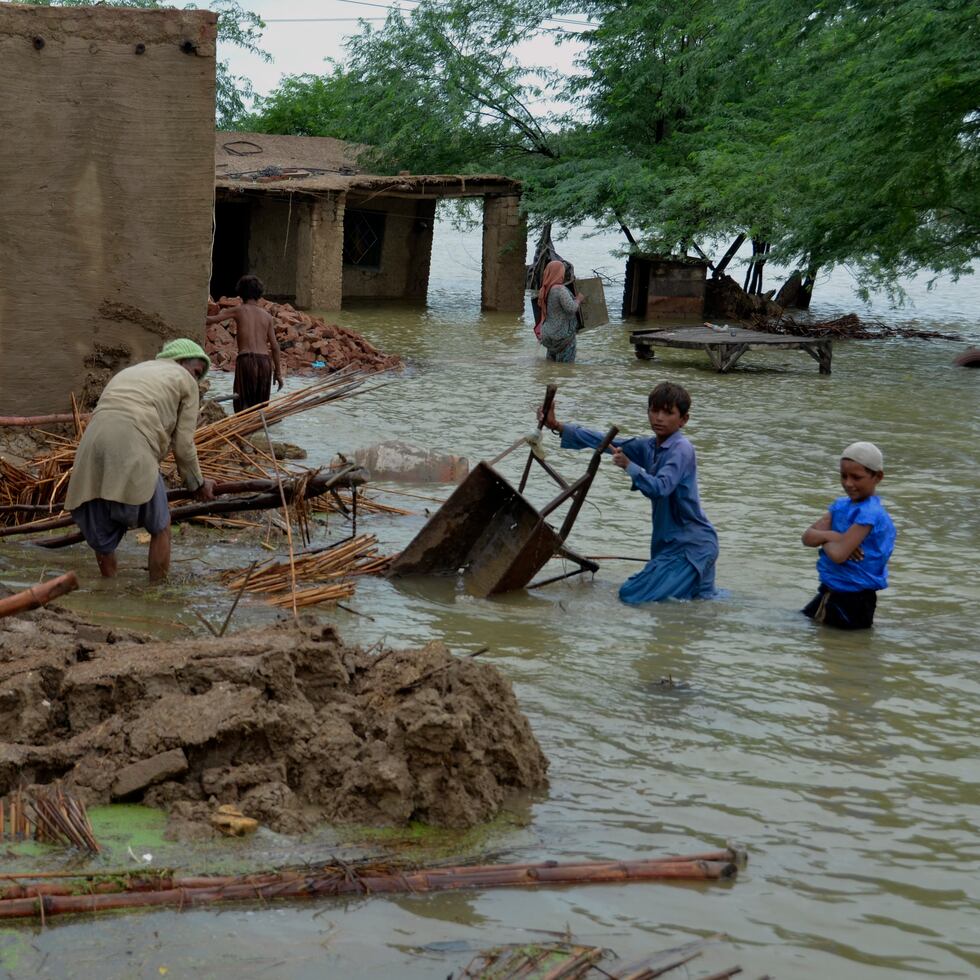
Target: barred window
{"type": "Point", "coordinates": [364, 233]}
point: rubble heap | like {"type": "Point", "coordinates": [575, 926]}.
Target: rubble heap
{"type": "Point", "coordinates": [304, 341]}
{"type": "Point", "coordinates": [286, 722]}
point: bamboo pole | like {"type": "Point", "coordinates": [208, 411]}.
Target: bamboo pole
{"type": "Point", "coordinates": [350, 475]}
{"type": "Point", "coordinates": [345, 880]}
{"type": "Point", "coordinates": [318, 484]}
{"type": "Point", "coordinates": [222, 449]}
{"type": "Point", "coordinates": [285, 516]}
{"type": "Point", "coordinates": [38, 595]}
{"type": "Point", "coordinates": [31, 421]}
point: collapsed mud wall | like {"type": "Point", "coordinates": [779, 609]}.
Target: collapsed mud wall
{"type": "Point", "coordinates": [107, 178]}
{"type": "Point", "coordinates": [289, 723]}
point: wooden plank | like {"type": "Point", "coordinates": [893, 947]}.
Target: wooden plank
{"type": "Point", "coordinates": [593, 312]}
{"type": "Point", "coordinates": [725, 348]}
{"type": "Point", "coordinates": [699, 336]}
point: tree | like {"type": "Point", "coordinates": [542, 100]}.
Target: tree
{"type": "Point", "coordinates": [236, 25]}
{"type": "Point", "coordinates": [435, 91]}
{"type": "Point", "coordinates": [838, 131]}
{"type": "Point", "coordinates": [886, 107]}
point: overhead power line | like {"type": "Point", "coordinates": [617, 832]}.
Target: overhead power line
{"type": "Point", "coordinates": [315, 20]}
{"type": "Point", "coordinates": [386, 6]}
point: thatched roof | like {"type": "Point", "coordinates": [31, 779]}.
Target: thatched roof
{"type": "Point", "coordinates": [263, 162]}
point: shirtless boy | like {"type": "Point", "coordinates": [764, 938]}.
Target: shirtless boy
{"type": "Point", "coordinates": [256, 336]}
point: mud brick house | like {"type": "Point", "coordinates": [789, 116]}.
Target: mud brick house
{"type": "Point", "coordinates": [106, 189]}
{"type": "Point", "coordinates": [664, 288]}
{"type": "Point", "coordinates": [300, 213]}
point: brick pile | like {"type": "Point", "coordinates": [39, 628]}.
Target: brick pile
{"type": "Point", "coordinates": [304, 340]}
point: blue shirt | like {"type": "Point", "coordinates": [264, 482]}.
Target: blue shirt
{"type": "Point", "coordinates": [872, 571]}
{"type": "Point", "coordinates": [668, 475]}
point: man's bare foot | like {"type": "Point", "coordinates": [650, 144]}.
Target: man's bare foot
{"type": "Point", "coordinates": [159, 556]}
{"type": "Point", "coordinates": [108, 565]}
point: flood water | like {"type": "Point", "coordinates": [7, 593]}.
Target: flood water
{"type": "Point", "coordinates": [845, 763]}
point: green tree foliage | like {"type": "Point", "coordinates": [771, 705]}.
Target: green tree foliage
{"type": "Point", "coordinates": [841, 131]}
{"type": "Point", "coordinates": [437, 90]}
{"type": "Point", "coordinates": [237, 26]}
{"type": "Point", "coordinates": [882, 132]}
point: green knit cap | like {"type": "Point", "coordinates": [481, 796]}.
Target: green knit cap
{"type": "Point", "coordinates": [183, 349]}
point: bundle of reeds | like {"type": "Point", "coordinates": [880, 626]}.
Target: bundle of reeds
{"type": "Point", "coordinates": [349, 879]}
{"type": "Point", "coordinates": [232, 497]}
{"type": "Point", "coordinates": [314, 595]}
{"type": "Point", "coordinates": [61, 818]}
{"type": "Point", "coordinates": [224, 451]}
{"type": "Point", "coordinates": [48, 815]}
{"type": "Point", "coordinates": [342, 502]}
{"type": "Point", "coordinates": [322, 566]}
{"type": "Point", "coordinates": [25, 494]}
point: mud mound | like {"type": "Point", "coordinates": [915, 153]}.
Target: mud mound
{"type": "Point", "coordinates": [287, 722]}
{"type": "Point", "coordinates": [304, 340]}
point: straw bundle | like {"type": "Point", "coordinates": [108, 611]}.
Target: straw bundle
{"type": "Point", "coordinates": [49, 815]}
{"type": "Point", "coordinates": [322, 567]}
{"type": "Point", "coordinates": [223, 449]}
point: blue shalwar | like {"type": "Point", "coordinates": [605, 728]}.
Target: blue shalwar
{"type": "Point", "coordinates": [684, 545]}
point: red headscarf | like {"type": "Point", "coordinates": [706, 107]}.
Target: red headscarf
{"type": "Point", "coordinates": [554, 275]}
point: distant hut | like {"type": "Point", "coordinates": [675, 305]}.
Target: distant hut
{"type": "Point", "coordinates": [299, 212]}
{"type": "Point", "coordinates": [664, 287]}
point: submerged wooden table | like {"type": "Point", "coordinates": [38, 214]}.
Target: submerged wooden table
{"type": "Point", "coordinates": [725, 349]}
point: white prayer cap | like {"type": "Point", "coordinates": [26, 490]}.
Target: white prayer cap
{"type": "Point", "coordinates": [867, 454]}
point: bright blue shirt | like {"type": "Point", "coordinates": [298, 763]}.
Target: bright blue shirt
{"type": "Point", "coordinates": [668, 475]}
{"type": "Point", "coordinates": [872, 571]}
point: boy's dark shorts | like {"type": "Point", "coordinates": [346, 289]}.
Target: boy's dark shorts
{"type": "Point", "coordinates": [845, 610]}
{"type": "Point", "coordinates": [105, 522]}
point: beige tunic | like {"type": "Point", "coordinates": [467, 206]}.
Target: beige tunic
{"type": "Point", "coordinates": [144, 411]}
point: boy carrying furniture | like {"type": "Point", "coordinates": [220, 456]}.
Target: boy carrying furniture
{"type": "Point", "coordinates": [683, 545]}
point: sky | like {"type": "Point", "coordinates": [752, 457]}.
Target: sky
{"type": "Point", "coordinates": [301, 34]}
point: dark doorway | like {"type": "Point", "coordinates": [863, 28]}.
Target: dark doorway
{"type": "Point", "coordinates": [229, 257]}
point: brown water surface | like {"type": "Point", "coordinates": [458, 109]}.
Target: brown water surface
{"type": "Point", "coordinates": [846, 764]}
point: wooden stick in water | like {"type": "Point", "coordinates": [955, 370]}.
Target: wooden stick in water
{"type": "Point", "coordinates": [38, 595]}
{"type": "Point", "coordinates": [285, 514]}
{"type": "Point", "coordinates": [344, 880]}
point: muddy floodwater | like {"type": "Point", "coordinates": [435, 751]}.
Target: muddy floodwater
{"type": "Point", "coordinates": [845, 764]}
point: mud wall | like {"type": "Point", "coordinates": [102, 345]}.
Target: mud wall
{"type": "Point", "coordinates": [320, 287]}
{"type": "Point", "coordinates": [280, 225]}
{"type": "Point", "coordinates": [406, 252]}
{"type": "Point", "coordinates": [504, 253]}
{"type": "Point", "coordinates": [107, 181]}
{"type": "Point", "coordinates": [664, 289]}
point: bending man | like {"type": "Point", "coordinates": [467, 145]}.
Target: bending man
{"type": "Point", "coordinates": [144, 411]}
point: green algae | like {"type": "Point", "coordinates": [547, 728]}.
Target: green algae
{"type": "Point", "coordinates": [15, 947]}
{"type": "Point", "coordinates": [123, 827]}
{"type": "Point", "coordinates": [428, 844]}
